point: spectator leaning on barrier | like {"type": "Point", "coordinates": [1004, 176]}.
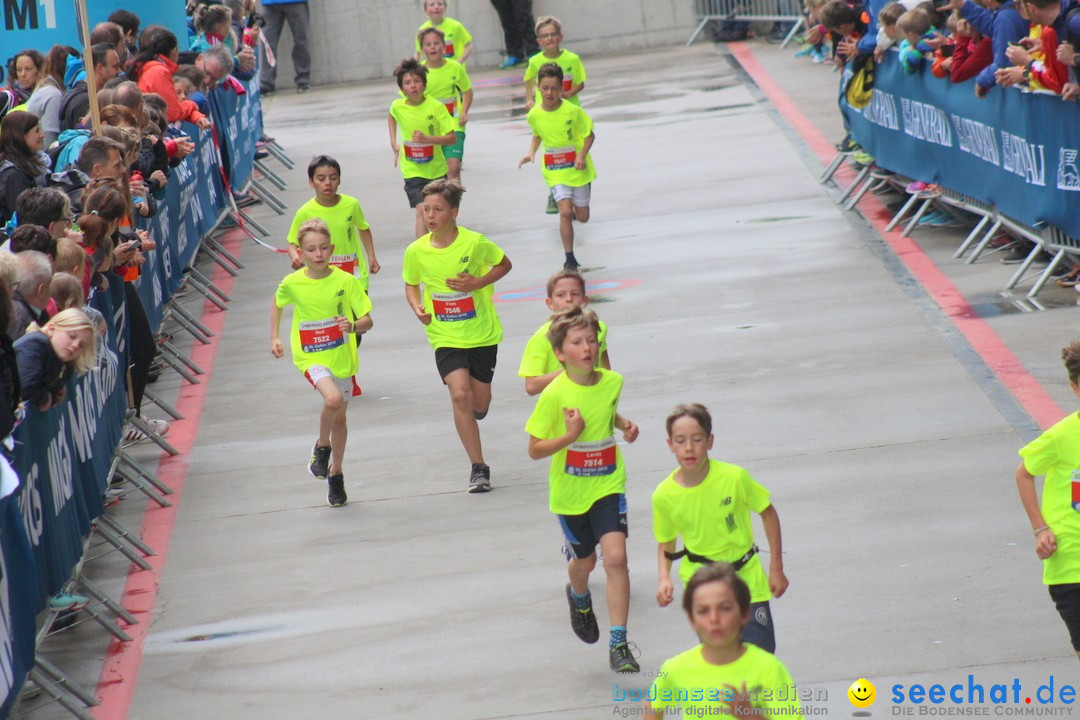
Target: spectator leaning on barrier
{"type": "Point", "coordinates": [277, 12]}
{"type": "Point", "coordinates": [99, 157]}
{"type": "Point", "coordinates": [999, 21]}
{"type": "Point", "coordinates": [32, 293]}
{"type": "Point", "coordinates": [1034, 61]}
{"type": "Point", "coordinates": [10, 391]}
{"type": "Point", "coordinates": [152, 68]}
{"type": "Point", "coordinates": [76, 104]}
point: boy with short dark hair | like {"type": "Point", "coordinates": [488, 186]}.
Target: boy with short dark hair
{"type": "Point", "coordinates": [458, 269]}
{"type": "Point", "coordinates": [573, 424]}
{"type": "Point", "coordinates": [349, 230]}
{"type": "Point", "coordinates": [566, 132]}
{"type": "Point", "coordinates": [539, 366]}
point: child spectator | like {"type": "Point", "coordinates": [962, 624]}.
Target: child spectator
{"type": "Point", "coordinates": [539, 366]}
{"type": "Point", "coordinates": [48, 358]}
{"type": "Point", "coordinates": [330, 309]}
{"type": "Point", "coordinates": [1055, 521]}
{"type": "Point", "coordinates": [847, 25]}
{"type": "Point", "coordinates": [448, 82]}
{"type": "Point", "coordinates": [944, 54]}
{"type": "Point", "coordinates": [549, 35]}
{"type": "Point", "coordinates": [717, 602]}
{"type": "Point", "coordinates": [66, 291]}
{"type": "Point", "coordinates": [1035, 61]}
{"type": "Point", "coordinates": [915, 28]}
{"type": "Point", "coordinates": [973, 53]}
{"type": "Point", "coordinates": [458, 269]}
{"type": "Point", "coordinates": [573, 424]}
{"type": "Point", "coordinates": [999, 21]}
{"type": "Point", "coordinates": [70, 258]}
{"type": "Point", "coordinates": [815, 42]}
{"type": "Point", "coordinates": [566, 132]}
{"type": "Point", "coordinates": [349, 230]}
{"type": "Point", "coordinates": [888, 34]}
{"type": "Point", "coordinates": [34, 237]}
{"type": "Point", "coordinates": [213, 26]}
{"type": "Point", "coordinates": [708, 503]}
{"type": "Point", "coordinates": [425, 129]}
{"type": "Point", "coordinates": [457, 38]}
{"type": "Point", "coordinates": [184, 88]}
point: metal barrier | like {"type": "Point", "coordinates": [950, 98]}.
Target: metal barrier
{"type": "Point", "coordinates": [748, 10]}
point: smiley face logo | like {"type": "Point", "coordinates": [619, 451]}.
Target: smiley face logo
{"type": "Point", "coordinates": [862, 693]}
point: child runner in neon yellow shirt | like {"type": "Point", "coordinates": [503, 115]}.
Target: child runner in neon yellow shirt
{"type": "Point", "coordinates": [458, 269]}
{"type": "Point", "coordinates": [1056, 521]}
{"type": "Point", "coordinates": [723, 675]}
{"type": "Point", "coordinates": [329, 309]}
{"type": "Point", "coordinates": [426, 128]}
{"type": "Point", "coordinates": [549, 36]}
{"type": "Point", "coordinates": [566, 133]}
{"type": "Point", "coordinates": [539, 366]}
{"type": "Point", "coordinates": [343, 215]}
{"type": "Point", "coordinates": [708, 503]}
{"type": "Point", "coordinates": [573, 424]}
{"type": "Point", "coordinates": [448, 82]}
{"type": "Point", "coordinates": [458, 40]}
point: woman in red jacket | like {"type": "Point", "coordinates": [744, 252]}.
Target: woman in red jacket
{"type": "Point", "coordinates": [153, 67]}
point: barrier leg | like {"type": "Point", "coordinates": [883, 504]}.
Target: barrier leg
{"type": "Point", "coordinates": [206, 283]}
{"type": "Point", "coordinates": [1048, 273]}
{"type": "Point", "coordinates": [200, 287]}
{"type": "Point", "coordinates": [145, 474]}
{"type": "Point", "coordinates": [243, 220]}
{"type": "Point", "coordinates": [157, 439]}
{"type": "Point", "coordinates": [216, 247]}
{"type": "Point", "coordinates": [854, 184]}
{"type": "Point", "coordinates": [169, 409]}
{"type": "Point", "coordinates": [125, 549]}
{"type": "Point", "coordinates": [175, 364]}
{"type": "Point", "coordinates": [270, 175]}
{"type": "Point", "coordinates": [914, 198]}
{"type": "Point", "coordinates": [184, 320]}
{"type": "Point", "coordinates": [143, 486]}
{"type": "Point", "coordinates": [833, 167]}
{"type": "Point", "coordinates": [268, 199]}
{"type": "Point", "coordinates": [275, 149]}
{"type": "Point", "coordinates": [791, 34]}
{"type": "Point", "coordinates": [1022, 270]}
{"type": "Point", "coordinates": [918, 216]}
{"type": "Point", "coordinates": [114, 607]}
{"type": "Point", "coordinates": [170, 349]}
{"type": "Point", "coordinates": [697, 31]}
{"type": "Point", "coordinates": [61, 694]}
{"type": "Point", "coordinates": [127, 535]}
{"type": "Point", "coordinates": [984, 242]}
{"type": "Point", "coordinates": [971, 237]}
{"type": "Point", "coordinates": [866, 186]}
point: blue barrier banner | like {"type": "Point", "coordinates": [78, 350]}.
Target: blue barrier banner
{"type": "Point", "coordinates": [189, 210]}
{"type": "Point", "coordinates": [40, 24]}
{"type": "Point", "coordinates": [18, 606]}
{"type": "Point", "coordinates": [1015, 150]}
{"type": "Point", "coordinates": [239, 122]}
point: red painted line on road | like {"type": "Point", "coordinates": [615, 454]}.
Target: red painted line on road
{"type": "Point", "coordinates": [1038, 403]}
{"type": "Point", "coordinates": [120, 672]}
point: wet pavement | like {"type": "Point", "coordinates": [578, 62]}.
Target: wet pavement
{"type": "Point", "coordinates": [727, 276]}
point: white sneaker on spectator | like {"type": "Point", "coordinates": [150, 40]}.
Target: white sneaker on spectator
{"type": "Point", "coordinates": [132, 434]}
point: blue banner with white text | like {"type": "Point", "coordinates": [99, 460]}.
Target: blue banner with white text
{"type": "Point", "coordinates": [1015, 150]}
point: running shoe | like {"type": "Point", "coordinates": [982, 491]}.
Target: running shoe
{"type": "Point", "coordinates": [336, 494]}
{"type": "Point", "coordinates": [622, 659]}
{"type": "Point", "coordinates": [583, 621]}
{"type": "Point", "coordinates": [480, 478]}
{"type": "Point", "coordinates": [319, 465]}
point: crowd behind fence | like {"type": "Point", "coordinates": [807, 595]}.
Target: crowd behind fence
{"type": "Point", "coordinates": [65, 457]}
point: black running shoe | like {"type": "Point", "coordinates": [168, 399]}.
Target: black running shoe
{"type": "Point", "coordinates": [571, 265]}
{"type": "Point", "coordinates": [336, 495]}
{"type": "Point", "coordinates": [480, 478]}
{"type": "Point", "coordinates": [583, 621]}
{"type": "Point", "coordinates": [319, 465]}
{"type": "Point", "coordinates": [622, 659]}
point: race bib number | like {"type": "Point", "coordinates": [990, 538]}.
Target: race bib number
{"type": "Point", "coordinates": [419, 153]}
{"type": "Point", "coordinates": [451, 105]}
{"type": "Point", "coordinates": [559, 158]}
{"type": "Point", "coordinates": [591, 459]}
{"type": "Point", "coordinates": [449, 51]}
{"type": "Point", "coordinates": [1076, 490]}
{"type": "Point", "coordinates": [319, 335]}
{"type": "Point", "coordinates": [347, 263]}
{"type": "Point", "coordinates": [567, 82]}
{"type": "Point", "coordinates": [452, 307]}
